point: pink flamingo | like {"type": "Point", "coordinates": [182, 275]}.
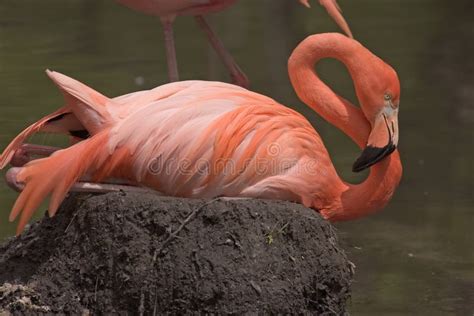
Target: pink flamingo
{"type": "Point", "coordinates": [209, 139]}
{"type": "Point", "coordinates": [168, 10]}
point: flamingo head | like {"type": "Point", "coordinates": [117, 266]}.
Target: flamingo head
{"type": "Point", "coordinates": [379, 96]}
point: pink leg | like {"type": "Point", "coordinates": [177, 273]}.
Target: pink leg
{"type": "Point", "coordinates": [88, 187]}
{"type": "Point", "coordinates": [170, 49]}
{"type": "Point", "coordinates": [237, 75]}
{"type": "Point", "coordinates": [23, 155]}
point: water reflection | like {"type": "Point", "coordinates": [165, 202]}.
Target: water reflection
{"type": "Point", "coordinates": [414, 257]}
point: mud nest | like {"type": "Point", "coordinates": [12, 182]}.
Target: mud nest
{"type": "Point", "coordinates": [148, 255]}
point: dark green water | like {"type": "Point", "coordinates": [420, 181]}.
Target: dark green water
{"type": "Point", "coordinates": [415, 257]}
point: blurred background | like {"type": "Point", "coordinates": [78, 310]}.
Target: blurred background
{"type": "Point", "coordinates": [414, 257]}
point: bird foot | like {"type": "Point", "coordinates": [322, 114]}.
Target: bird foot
{"type": "Point", "coordinates": [24, 154]}
{"type": "Point", "coordinates": [11, 179]}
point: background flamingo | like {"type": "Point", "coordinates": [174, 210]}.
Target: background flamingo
{"type": "Point", "coordinates": [168, 10]}
{"type": "Point", "coordinates": [181, 138]}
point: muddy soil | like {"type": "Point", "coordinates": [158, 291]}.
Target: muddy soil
{"type": "Point", "coordinates": [149, 255]}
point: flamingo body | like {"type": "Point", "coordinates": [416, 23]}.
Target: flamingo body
{"type": "Point", "coordinates": [208, 139]}
{"type": "Point", "coordinates": [211, 139]}
{"type": "Point", "coordinates": [199, 139]}
{"type": "Point", "coordinates": [168, 8]}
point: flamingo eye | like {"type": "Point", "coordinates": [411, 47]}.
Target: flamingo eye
{"type": "Point", "coordinates": [389, 100]}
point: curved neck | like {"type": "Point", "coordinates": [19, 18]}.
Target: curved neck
{"type": "Point", "coordinates": [349, 201]}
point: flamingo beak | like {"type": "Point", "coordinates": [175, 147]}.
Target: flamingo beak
{"type": "Point", "coordinates": [383, 140]}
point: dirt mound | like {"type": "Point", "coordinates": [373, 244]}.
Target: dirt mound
{"type": "Point", "coordinates": [145, 254]}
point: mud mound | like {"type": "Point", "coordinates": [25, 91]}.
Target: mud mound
{"type": "Point", "coordinates": [145, 254]}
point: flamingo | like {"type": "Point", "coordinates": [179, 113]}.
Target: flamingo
{"type": "Point", "coordinates": [205, 139]}
{"type": "Point", "coordinates": [168, 10]}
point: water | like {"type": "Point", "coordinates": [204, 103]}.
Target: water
{"type": "Point", "coordinates": [415, 257]}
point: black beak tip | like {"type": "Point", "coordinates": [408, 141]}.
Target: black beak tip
{"type": "Point", "coordinates": [357, 166]}
{"type": "Point", "coordinates": [372, 155]}
{"type": "Point", "coordinates": [360, 164]}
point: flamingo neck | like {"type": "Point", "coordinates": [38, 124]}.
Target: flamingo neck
{"type": "Point", "coordinates": [346, 201]}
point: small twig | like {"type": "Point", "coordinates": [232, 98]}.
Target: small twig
{"type": "Point", "coordinates": [174, 234]}
{"type": "Point", "coordinates": [282, 229]}
{"type": "Point", "coordinates": [156, 300]}
{"type": "Point", "coordinates": [141, 308]}
{"type": "Point", "coordinates": [72, 219]}
{"type": "Point", "coordinates": [256, 287]}
{"type": "Point", "coordinates": [270, 235]}
{"type": "Point", "coordinates": [332, 310]}
{"type": "Point", "coordinates": [197, 264]}
{"type": "Point", "coordinates": [95, 290]}
{"type": "Point", "coordinates": [235, 241]}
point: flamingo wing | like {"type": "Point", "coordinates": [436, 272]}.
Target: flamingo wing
{"type": "Point", "coordinates": [209, 139]}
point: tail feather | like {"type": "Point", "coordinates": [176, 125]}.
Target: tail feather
{"type": "Point", "coordinates": [88, 105]}
{"type": "Point", "coordinates": [86, 109]}
{"type": "Point", "coordinates": [55, 175]}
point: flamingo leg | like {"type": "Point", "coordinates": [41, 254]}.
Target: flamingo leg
{"type": "Point", "coordinates": [81, 186]}
{"type": "Point", "coordinates": [23, 155]}
{"type": "Point", "coordinates": [235, 198]}
{"type": "Point", "coordinates": [173, 74]}
{"type": "Point", "coordinates": [237, 75]}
